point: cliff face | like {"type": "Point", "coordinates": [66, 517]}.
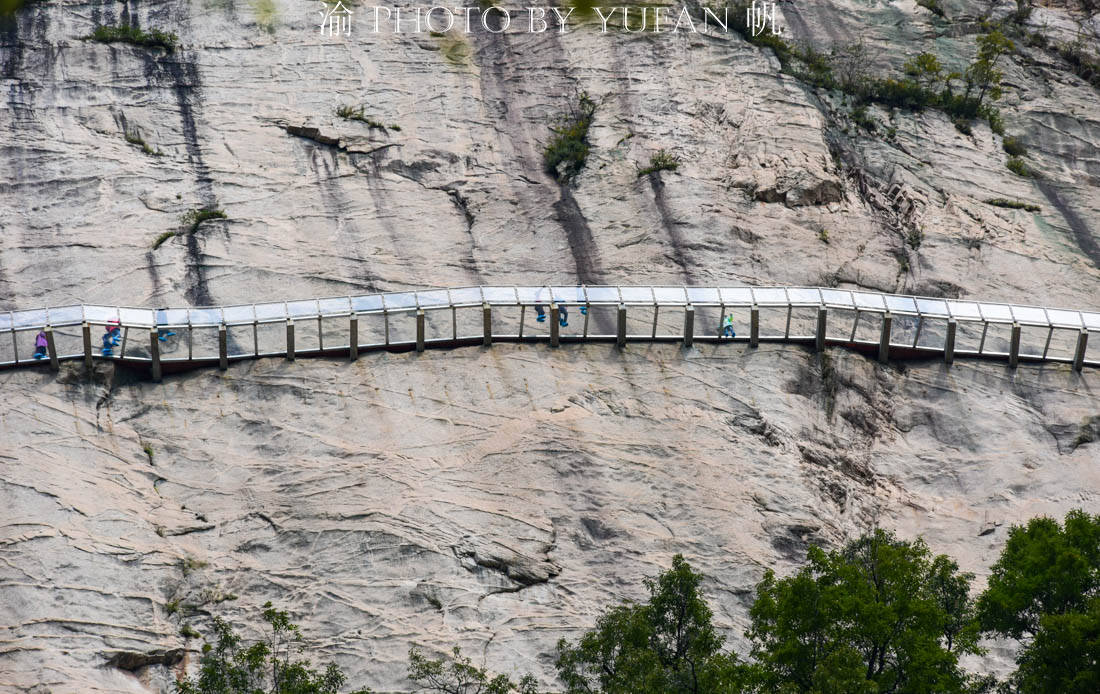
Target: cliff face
{"type": "Point", "coordinates": [497, 499]}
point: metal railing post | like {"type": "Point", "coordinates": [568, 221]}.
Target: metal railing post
{"type": "Point", "coordinates": [689, 325]}
{"type": "Point", "coordinates": [555, 330]}
{"type": "Point", "coordinates": [1014, 346]}
{"type": "Point", "coordinates": [87, 330]}
{"type": "Point", "coordinates": [1082, 344]}
{"type": "Point", "coordinates": [486, 324]}
{"type": "Point", "coordinates": [620, 337]}
{"type": "Point", "coordinates": [884, 337]}
{"type": "Point", "coordinates": [419, 330]}
{"type": "Point", "coordinates": [754, 326]}
{"type": "Point", "coordinates": [51, 349]}
{"type": "Point", "coordinates": [154, 353]}
{"type": "Point", "coordinates": [223, 348]}
{"type": "Point", "coordinates": [949, 342]}
{"type": "Point", "coordinates": [290, 339]}
{"type": "Point", "coordinates": [822, 326]}
{"type": "Point", "coordinates": [353, 335]}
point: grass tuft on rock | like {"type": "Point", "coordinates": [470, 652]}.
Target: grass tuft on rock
{"type": "Point", "coordinates": [662, 160]}
{"type": "Point", "coordinates": [1013, 204]}
{"type": "Point", "coordinates": [164, 236]}
{"type": "Point", "coordinates": [135, 138]}
{"type": "Point", "coordinates": [127, 33]}
{"type": "Point", "coordinates": [193, 218]}
{"type": "Point", "coordinates": [357, 113]}
{"type": "Point", "coordinates": [1017, 166]}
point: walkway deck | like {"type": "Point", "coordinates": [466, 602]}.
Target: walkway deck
{"type": "Point", "coordinates": [891, 326]}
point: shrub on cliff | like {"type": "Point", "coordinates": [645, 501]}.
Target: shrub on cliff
{"type": "Point", "coordinates": [127, 33]}
{"type": "Point", "coordinates": [268, 666]}
{"type": "Point", "coordinates": [566, 152]}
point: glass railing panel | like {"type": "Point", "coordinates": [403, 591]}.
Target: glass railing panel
{"type": "Point", "coordinates": [900, 304]}
{"type": "Point", "coordinates": [334, 306]}
{"type": "Point", "coordinates": [33, 318]}
{"type": "Point", "coordinates": [466, 296]}
{"type": "Point", "coordinates": [400, 300]}
{"type": "Point", "coordinates": [770, 295]}
{"type": "Point", "coordinates": [204, 316]}
{"type": "Point", "coordinates": [302, 309]}
{"type": "Point", "coordinates": [866, 300]}
{"type": "Point", "coordinates": [271, 312]}
{"type": "Point", "coordinates": [703, 295]}
{"type": "Point", "coordinates": [238, 314]}
{"type": "Point", "coordinates": [136, 316]}
{"type": "Point", "coordinates": [1069, 319]}
{"type": "Point", "coordinates": [670, 295]}
{"type": "Point", "coordinates": [636, 295]}
{"type": "Point", "coordinates": [737, 296]}
{"type": "Point", "coordinates": [1029, 314]}
{"type": "Point", "coordinates": [603, 295]}
{"type": "Point", "coordinates": [935, 307]}
{"type": "Point", "coordinates": [366, 302]}
{"type": "Point", "coordinates": [66, 315]}
{"type": "Point", "coordinates": [996, 312]}
{"type": "Point", "coordinates": [434, 297]}
{"type": "Point", "coordinates": [804, 295]}
{"type": "Point", "coordinates": [837, 297]}
{"type": "Point", "coordinates": [500, 295]}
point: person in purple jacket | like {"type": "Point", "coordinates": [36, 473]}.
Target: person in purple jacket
{"type": "Point", "coordinates": [40, 345]}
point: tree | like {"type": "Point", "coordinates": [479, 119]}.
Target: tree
{"type": "Point", "coordinates": [1044, 591]}
{"type": "Point", "coordinates": [265, 667]}
{"type": "Point", "coordinates": [880, 615]}
{"type": "Point", "coordinates": [983, 76]}
{"type": "Point", "coordinates": [667, 645]}
{"type": "Point", "coordinates": [458, 675]}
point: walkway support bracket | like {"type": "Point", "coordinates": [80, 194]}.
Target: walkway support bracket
{"type": "Point", "coordinates": [51, 349]}
{"type": "Point", "coordinates": [87, 331]}
{"type": "Point", "coordinates": [289, 340]}
{"type": "Point", "coordinates": [754, 326]}
{"type": "Point", "coordinates": [353, 335]}
{"type": "Point", "coordinates": [689, 325]}
{"type": "Point", "coordinates": [1014, 347]}
{"type": "Point", "coordinates": [884, 337]}
{"type": "Point", "coordinates": [1082, 344]}
{"type": "Point", "coordinates": [419, 330]}
{"type": "Point", "coordinates": [555, 329]}
{"type": "Point", "coordinates": [486, 325]}
{"type": "Point", "coordinates": [620, 336]}
{"type": "Point", "coordinates": [223, 348]}
{"type": "Point", "coordinates": [822, 326]}
{"type": "Point", "coordinates": [949, 342]}
{"type": "Point", "coordinates": [154, 353]}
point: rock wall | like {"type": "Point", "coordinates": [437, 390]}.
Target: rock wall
{"type": "Point", "coordinates": [499, 498]}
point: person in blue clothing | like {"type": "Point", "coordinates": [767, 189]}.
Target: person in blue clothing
{"type": "Point", "coordinates": [111, 335]}
{"type": "Point", "coordinates": [727, 327]}
{"type": "Point", "coordinates": [162, 317]}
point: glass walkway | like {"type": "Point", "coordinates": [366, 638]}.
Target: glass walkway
{"type": "Point", "coordinates": [887, 325]}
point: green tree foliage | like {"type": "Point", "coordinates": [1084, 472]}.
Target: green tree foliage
{"type": "Point", "coordinates": [881, 615]}
{"type": "Point", "coordinates": [665, 645]}
{"type": "Point", "coordinates": [458, 675]}
{"type": "Point", "coordinates": [265, 667]}
{"type": "Point", "coordinates": [1044, 591]}
{"type": "Point", "coordinates": [982, 77]}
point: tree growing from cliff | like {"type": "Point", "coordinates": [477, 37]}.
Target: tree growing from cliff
{"type": "Point", "coordinates": [879, 615]}
{"type": "Point", "coordinates": [268, 666]}
{"type": "Point", "coordinates": [1044, 592]}
{"type": "Point", "coordinates": [666, 644]}
{"type": "Point", "coordinates": [457, 674]}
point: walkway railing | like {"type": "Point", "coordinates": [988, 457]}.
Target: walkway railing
{"type": "Point", "coordinates": [892, 326]}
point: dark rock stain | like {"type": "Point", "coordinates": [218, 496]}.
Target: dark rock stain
{"type": "Point", "coordinates": [1084, 237]}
